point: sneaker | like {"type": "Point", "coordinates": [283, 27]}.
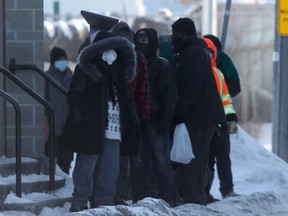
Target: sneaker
{"type": "Point", "coordinates": [230, 194]}
{"type": "Point", "coordinates": [72, 209]}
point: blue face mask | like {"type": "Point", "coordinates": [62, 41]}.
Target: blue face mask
{"type": "Point", "coordinates": [61, 65]}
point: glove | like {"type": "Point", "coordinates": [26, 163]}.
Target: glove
{"type": "Point", "coordinates": [232, 127]}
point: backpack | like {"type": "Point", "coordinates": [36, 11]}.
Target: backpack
{"type": "Point", "coordinates": [225, 64]}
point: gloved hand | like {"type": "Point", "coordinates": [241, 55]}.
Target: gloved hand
{"type": "Point", "coordinates": [232, 127]}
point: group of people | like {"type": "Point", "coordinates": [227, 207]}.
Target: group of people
{"type": "Point", "coordinates": [123, 104]}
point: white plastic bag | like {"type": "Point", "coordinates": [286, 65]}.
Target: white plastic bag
{"type": "Point", "coordinates": [181, 151]}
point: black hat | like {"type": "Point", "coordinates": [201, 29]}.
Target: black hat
{"type": "Point", "coordinates": [215, 40]}
{"type": "Point", "coordinates": [57, 53]}
{"type": "Point", "coordinates": [99, 21]}
{"type": "Point", "coordinates": [124, 30]}
{"type": "Point", "coordinates": [184, 25]}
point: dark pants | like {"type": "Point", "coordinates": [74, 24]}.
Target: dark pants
{"type": "Point", "coordinates": [223, 163]}
{"type": "Point", "coordinates": [154, 149]}
{"type": "Point", "coordinates": [192, 176]}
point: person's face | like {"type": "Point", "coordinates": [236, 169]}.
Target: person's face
{"type": "Point", "coordinates": [177, 34]}
{"type": "Point", "coordinates": [177, 39]}
{"type": "Point", "coordinates": [141, 43]}
{"type": "Point", "coordinates": [142, 40]}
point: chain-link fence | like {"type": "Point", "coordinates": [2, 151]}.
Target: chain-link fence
{"type": "Point", "coordinates": [249, 43]}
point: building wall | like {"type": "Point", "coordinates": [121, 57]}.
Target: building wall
{"type": "Point", "coordinates": [24, 43]}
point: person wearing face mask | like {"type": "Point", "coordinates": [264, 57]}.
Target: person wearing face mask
{"type": "Point", "coordinates": [139, 94]}
{"type": "Point", "coordinates": [199, 106]}
{"type": "Point", "coordinates": [155, 143]}
{"type": "Point", "coordinates": [60, 71]}
{"type": "Point", "coordinates": [101, 119]}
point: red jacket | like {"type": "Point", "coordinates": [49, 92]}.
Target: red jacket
{"type": "Point", "coordinates": [139, 89]}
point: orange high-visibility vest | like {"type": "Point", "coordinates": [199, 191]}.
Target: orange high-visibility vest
{"type": "Point", "coordinates": [220, 81]}
{"type": "Point", "coordinates": [223, 91]}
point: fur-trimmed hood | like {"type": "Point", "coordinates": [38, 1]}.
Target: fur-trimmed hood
{"type": "Point", "coordinates": [121, 45]}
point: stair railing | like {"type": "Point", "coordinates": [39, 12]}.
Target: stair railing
{"type": "Point", "coordinates": [13, 67]}
{"type": "Point", "coordinates": [16, 106]}
{"type": "Point", "coordinates": [50, 113]}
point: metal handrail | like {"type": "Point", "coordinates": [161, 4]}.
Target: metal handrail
{"type": "Point", "coordinates": [50, 118]}
{"type": "Point", "coordinates": [13, 67]}
{"type": "Point", "coordinates": [18, 139]}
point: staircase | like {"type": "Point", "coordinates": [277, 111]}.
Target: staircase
{"type": "Point", "coordinates": [35, 187]}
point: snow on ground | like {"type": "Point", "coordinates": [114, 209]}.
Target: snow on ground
{"type": "Point", "coordinates": [259, 176]}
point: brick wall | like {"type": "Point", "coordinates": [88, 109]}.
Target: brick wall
{"type": "Point", "coordinates": [24, 43]}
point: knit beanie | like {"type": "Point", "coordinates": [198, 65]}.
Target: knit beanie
{"type": "Point", "coordinates": [57, 53]}
{"type": "Point", "coordinates": [215, 40]}
{"type": "Point", "coordinates": [184, 25]}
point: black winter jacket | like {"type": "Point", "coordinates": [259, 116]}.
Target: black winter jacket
{"type": "Point", "coordinates": [162, 83]}
{"type": "Point", "coordinates": [84, 131]}
{"type": "Point", "coordinates": [199, 103]}
{"type": "Point", "coordinates": [162, 90]}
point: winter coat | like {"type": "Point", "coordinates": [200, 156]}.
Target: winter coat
{"type": "Point", "coordinates": [166, 51]}
{"type": "Point", "coordinates": [163, 90]}
{"type": "Point", "coordinates": [139, 89]}
{"type": "Point", "coordinates": [88, 96]}
{"type": "Point", "coordinates": [56, 99]}
{"type": "Point", "coordinates": [162, 83]}
{"type": "Point", "coordinates": [198, 100]}
{"type": "Point", "coordinates": [225, 64]}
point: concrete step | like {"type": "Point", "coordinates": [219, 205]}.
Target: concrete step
{"type": "Point", "coordinates": [36, 202]}
{"type": "Point", "coordinates": [31, 183]}
{"type": "Point", "coordinates": [32, 201]}
{"type": "Point", "coordinates": [28, 166]}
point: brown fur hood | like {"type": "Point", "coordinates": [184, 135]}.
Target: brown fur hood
{"type": "Point", "coordinates": [121, 45]}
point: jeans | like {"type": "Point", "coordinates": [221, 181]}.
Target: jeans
{"type": "Point", "coordinates": [155, 149]}
{"type": "Point", "coordinates": [95, 176]}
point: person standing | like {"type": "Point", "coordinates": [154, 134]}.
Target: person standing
{"type": "Point", "coordinates": [221, 143]}
{"type": "Point", "coordinates": [155, 145]}
{"type": "Point", "coordinates": [101, 114]}
{"type": "Point", "coordinates": [227, 67]}
{"type": "Point", "coordinates": [59, 71]}
{"type": "Point", "coordinates": [139, 94]}
{"type": "Point", "coordinates": [199, 106]}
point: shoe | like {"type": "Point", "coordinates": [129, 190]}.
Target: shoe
{"type": "Point", "coordinates": [78, 209]}
{"type": "Point", "coordinates": [230, 194]}
{"type": "Point", "coordinates": [120, 202]}
{"type": "Point", "coordinates": [178, 201]}
{"type": "Point", "coordinates": [211, 199]}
